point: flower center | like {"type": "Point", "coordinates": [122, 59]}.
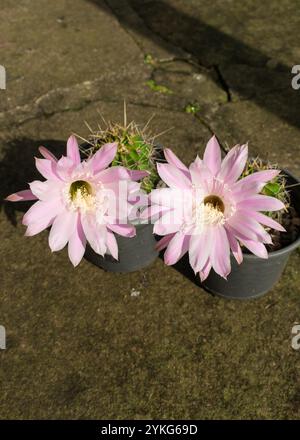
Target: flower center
{"type": "Point", "coordinates": [215, 202]}
{"type": "Point", "coordinates": [210, 212]}
{"type": "Point", "coordinates": [80, 186]}
{"type": "Point", "coordinates": [81, 195]}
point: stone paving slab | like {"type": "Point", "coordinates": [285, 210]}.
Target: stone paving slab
{"type": "Point", "coordinates": [83, 343]}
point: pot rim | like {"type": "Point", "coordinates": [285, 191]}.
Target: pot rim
{"type": "Point", "coordinates": [287, 249]}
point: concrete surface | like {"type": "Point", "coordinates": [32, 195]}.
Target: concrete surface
{"type": "Point", "coordinates": [79, 345]}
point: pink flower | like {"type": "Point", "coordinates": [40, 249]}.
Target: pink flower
{"type": "Point", "coordinates": [83, 201]}
{"type": "Point", "coordinates": [208, 212]}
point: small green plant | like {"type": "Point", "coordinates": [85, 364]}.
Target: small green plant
{"type": "Point", "coordinates": [276, 188]}
{"type": "Point", "coordinates": [192, 108]}
{"type": "Point", "coordinates": [158, 88]}
{"type": "Point", "coordinates": [136, 148]}
{"type": "Point", "coordinates": [148, 59]}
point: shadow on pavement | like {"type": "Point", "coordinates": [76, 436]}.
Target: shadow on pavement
{"type": "Point", "coordinates": [240, 69]}
{"type": "Point", "coordinates": [17, 169]}
{"type": "Point", "coordinates": [183, 266]}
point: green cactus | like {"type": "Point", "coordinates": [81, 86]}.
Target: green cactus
{"type": "Point", "coordinates": [136, 148]}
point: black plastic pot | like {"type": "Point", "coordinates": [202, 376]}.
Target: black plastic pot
{"type": "Point", "coordinates": [255, 276]}
{"type": "Point", "coordinates": [134, 253]}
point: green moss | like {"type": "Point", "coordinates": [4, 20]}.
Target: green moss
{"type": "Point", "coordinates": [158, 88]}
{"type": "Point", "coordinates": [192, 108]}
{"type": "Point", "coordinates": [148, 59]}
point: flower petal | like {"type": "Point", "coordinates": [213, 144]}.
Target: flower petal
{"type": "Point", "coordinates": [258, 177]}
{"type": "Point", "coordinates": [103, 157]}
{"type": "Point", "coordinates": [95, 234]}
{"type": "Point", "coordinates": [177, 247]}
{"type": "Point", "coordinates": [220, 255]}
{"type": "Point", "coordinates": [168, 197]}
{"type": "Point", "coordinates": [247, 191]}
{"type": "Point", "coordinates": [42, 210]}
{"type": "Point", "coordinates": [113, 174]}
{"type": "Point", "coordinates": [112, 245]}
{"type": "Point", "coordinates": [64, 168]}
{"type": "Point", "coordinates": [265, 220]}
{"type": "Point", "coordinates": [256, 248]}
{"type": "Point", "coordinates": [172, 176]}
{"type": "Point", "coordinates": [21, 196]}
{"type": "Point", "coordinates": [247, 227]}
{"type": "Point", "coordinates": [201, 175]}
{"type": "Point", "coordinates": [233, 164]}
{"type": "Point", "coordinates": [46, 190]}
{"type": "Point", "coordinates": [124, 230]}
{"type": "Point", "coordinates": [73, 150]}
{"type": "Point", "coordinates": [235, 247]}
{"type": "Point", "coordinates": [212, 156]}
{"type": "Point", "coordinates": [62, 228]}
{"type": "Point", "coordinates": [260, 202]}
{"type": "Point", "coordinates": [199, 249]}
{"type": "Point", "coordinates": [47, 154]}
{"type": "Point", "coordinates": [205, 271]}
{"type": "Point", "coordinates": [152, 211]}
{"type": "Point", "coordinates": [172, 159]}
{"type": "Point", "coordinates": [39, 226]}
{"type": "Point", "coordinates": [77, 243]}
{"type": "Point", "coordinates": [138, 174]}
{"type": "Point", "coordinates": [161, 229]}
{"type": "Point", "coordinates": [47, 168]}
{"type": "Point", "coordinates": [167, 224]}
{"type": "Point", "coordinates": [163, 242]}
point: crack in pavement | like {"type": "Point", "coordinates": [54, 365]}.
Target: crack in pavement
{"type": "Point", "coordinates": [235, 52]}
{"type": "Point", "coordinates": [22, 114]}
{"type": "Point", "coordinates": [80, 95]}
{"type": "Point", "coordinates": [188, 57]}
{"type": "Point", "coordinates": [126, 11]}
{"type": "Point", "coordinates": [222, 82]}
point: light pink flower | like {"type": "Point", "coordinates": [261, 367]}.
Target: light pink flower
{"type": "Point", "coordinates": [208, 212]}
{"type": "Point", "coordinates": [82, 200]}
